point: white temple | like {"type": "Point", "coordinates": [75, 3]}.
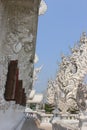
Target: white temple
{"type": "Point", "coordinates": [68, 92]}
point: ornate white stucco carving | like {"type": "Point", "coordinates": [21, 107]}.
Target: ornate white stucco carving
{"type": "Point", "coordinates": [72, 71]}
{"type": "Point", "coordinates": [36, 70]}
{"type": "Point", "coordinates": [35, 74]}
{"type": "Point", "coordinates": [36, 59]}
{"type": "Point", "coordinates": [42, 8]}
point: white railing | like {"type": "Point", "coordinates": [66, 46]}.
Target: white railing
{"type": "Point", "coordinates": [44, 118]}
{"type": "Point", "coordinates": [70, 116]}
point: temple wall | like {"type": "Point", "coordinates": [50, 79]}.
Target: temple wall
{"type": "Point", "coordinates": [18, 29]}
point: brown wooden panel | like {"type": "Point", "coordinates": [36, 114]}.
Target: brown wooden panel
{"type": "Point", "coordinates": [14, 88]}
{"type": "Point", "coordinates": [11, 81]}
{"type": "Point", "coordinates": [19, 92]}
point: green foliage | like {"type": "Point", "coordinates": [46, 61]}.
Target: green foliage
{"type": "Point", "coordinates": [49, 108]}
{"type": "Point", "coordinates": [33, 106]}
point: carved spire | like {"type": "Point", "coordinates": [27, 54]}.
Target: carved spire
{"type": "Point", "coordinates": [83, 38]}
{"type": "Point", "coordinates": [71, 73]}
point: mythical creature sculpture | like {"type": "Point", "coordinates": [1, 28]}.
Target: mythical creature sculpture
{"type": "Point", "coordinates": [72, 71]}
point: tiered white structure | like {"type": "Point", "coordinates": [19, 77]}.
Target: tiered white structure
{"type": "Point", "coordinates": [71, 74]}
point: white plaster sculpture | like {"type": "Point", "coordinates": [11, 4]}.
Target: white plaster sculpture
{"type": "Point", "coordinates": [71, 73]}
{"type": "Point", "coordinates": [42, 8]}
{"type": "Point", "coordinates": [35, 74]}
{"type": "Point", "coordinates": [36, 70]}
{"type": "Point", "coordinates": [36, 59]}
{"type": "Point", "coordinates": [50, 96]}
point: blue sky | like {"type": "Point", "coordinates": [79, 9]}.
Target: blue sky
{"type": "Point", "coordinates": [58, 29]}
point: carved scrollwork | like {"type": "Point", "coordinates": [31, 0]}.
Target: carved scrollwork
{"type": "Point", "coordinates": [17, 47]}
{"type": "Point", "coordinates": [71, 73]}
{"type": "Point", "coordinates": [28, 47]}
{"type": "Point", "coordinates": [73, 69]}
{"type": "Point", "coordinates": [81, 97]}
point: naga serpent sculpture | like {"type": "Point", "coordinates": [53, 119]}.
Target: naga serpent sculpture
{"type": "Point", "coordinates": [71, 74]}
